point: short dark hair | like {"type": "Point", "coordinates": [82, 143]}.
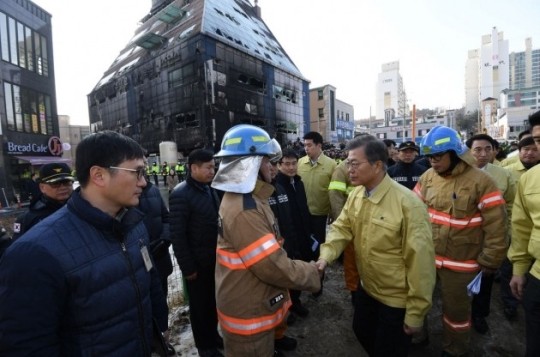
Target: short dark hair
{"type": "Point", "coordinates": [105, 149]}
{"type": "Point", "coordinates": [524, 132]}
{"type": "Point", "coordinates": [525, 142]}
{"type": "Point", "coordinates": [288, 153]}
{"type": "Point", "coordinates": [485, 137]}
{"type": "Point", "coordinates": [389, 142]}
{"type": "Point", "coordinates": [374, 149]}
{"type": "Point", "coordinates": [534, 119]}
{"type": "Point", "coordinates": [200, 156]}
{"type": "Point", "coordinates": [315, 136]}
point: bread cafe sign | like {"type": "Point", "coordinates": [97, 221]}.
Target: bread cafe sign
{"type": "Point", "coordinates": [52, 147]}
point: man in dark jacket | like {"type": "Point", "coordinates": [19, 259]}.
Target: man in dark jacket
{"type": "Point", "coordinates": [82, 281]}
{"type": "Point", "coordinates": [407, 171]}
{"type": "Point", "coordinates": [156, 221]}
{"type": "Point", "coordinates": [300, 247]}
{"type": "Point", "coordinates": [194, 228]}
{"type": "Point", "coordinates": [56, 185]}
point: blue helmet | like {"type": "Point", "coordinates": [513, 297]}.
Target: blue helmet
{"type": "Point", "coordinates": [248, 140]}
{"type": "Point", "coordinates": [442, 139]}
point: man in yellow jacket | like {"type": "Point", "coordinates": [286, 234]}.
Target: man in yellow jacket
{"type": "Point", "coordinates": [390, 230]}
{"type": "Point", "coordinates": [525, 247]}
{"type": "Point", "coordinates": [253, 272]}
{"type": "Point", "coordinates": [468, 219]}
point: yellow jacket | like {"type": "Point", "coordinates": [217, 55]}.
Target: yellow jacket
{"type": "Point", "coordinates": [507, 185]}
{"type": "Point", "coordinates": [316, 180]}
{"type": "Point", "coordinates": [468, 217]}
{"type": "Point", "coordinates": [339, 189]}
{"type": "Point", "coordinates": [517, 169]}
{"type": "Point", "coordinates": [525, 245]}
{"type": "Point", "coordinates": [393, 245]}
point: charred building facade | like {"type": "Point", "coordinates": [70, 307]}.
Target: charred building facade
{"type": "Point", "coordinates": [193, 69]}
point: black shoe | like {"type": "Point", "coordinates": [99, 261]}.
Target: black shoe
{"type": "Point", "coordinates": [420, 344]}
{"type": "Point", "coordinates": [510, 313]}
{"type": "Point", "coordinates": [285, 343]}
{"type": "Point", "coordinates": [299, 309]}
{"type": "Point", "coordinates": [278, 354]}
{"type": "Point", "coordinates": [446, 354]}
{"type": "Point", "coordinates": [291, 319]}
{"type": "Point", "coordinates": [480, 325]}
{"type": "Point", "coordinates": [170, 350]}
{"type": "Point", "coordinates": [209, 353]}
{"type": "Point", "coordinates": [219, 342]}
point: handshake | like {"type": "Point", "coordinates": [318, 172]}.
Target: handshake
{"type": "Point", "coordinates": [321, 265]}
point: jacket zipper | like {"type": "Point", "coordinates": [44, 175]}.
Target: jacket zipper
{"type": "Point", "coordinates": [138, 292]}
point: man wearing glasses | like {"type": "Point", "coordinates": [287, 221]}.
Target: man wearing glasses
{"type": "Point", "coordinates": [389, 228]}
{"type": "Point", "coordinates": [468, 219]}
{"type": "Point", "coordinates": [82, 281]}
{"type": "Point", "coordinates": [55, 185]}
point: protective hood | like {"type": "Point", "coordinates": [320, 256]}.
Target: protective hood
{"type": "Point", "coordinates": [237, 174]}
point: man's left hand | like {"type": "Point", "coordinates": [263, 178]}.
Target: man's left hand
{"type": "Point", "coordinates": [409, 330]}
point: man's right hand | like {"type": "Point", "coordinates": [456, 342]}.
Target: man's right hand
{"type": "Point", "coordinates": [321, 265]}
{"type": "Point", "coordinates": [517, 284]}
{"type": "Point", "coordinates": [191, 277]}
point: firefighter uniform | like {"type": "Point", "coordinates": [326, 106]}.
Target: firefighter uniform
{"type": "Point", "coordinates": [468, 218]}
{"type": "Point", "coordinates": [253, 272]}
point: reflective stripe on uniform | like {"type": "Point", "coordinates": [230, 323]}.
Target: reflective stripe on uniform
{"type": "Point", "coordinates": [445, 219]}
{"type": "Point", "coordinates": [418, 190]}
{"type": "Point", "coordinates": [465, 266]}
{"type": "Point", "coordinates": [250, 255]}
{"type": "Point", "coordinates": [253, 325]}
{"type": "Point", "coordinates": [490, 200]}
{"type": "Point", "coordinates": [457, 326]}
{"type": "Point", "coordinates": [338, 186]}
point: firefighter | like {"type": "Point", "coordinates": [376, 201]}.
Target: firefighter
{"type": "Point", "coordinates": [253, 272]}
{"type": "Point", "coordinates": [468, 218]}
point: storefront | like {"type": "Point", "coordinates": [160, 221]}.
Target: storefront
{"type": "Point", "coordinates": [22, 157]}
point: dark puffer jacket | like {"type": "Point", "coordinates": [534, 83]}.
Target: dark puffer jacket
{"type": "Point", "coordinates": [77, 285]}
{"type": "Point", "coordinates": [194, 225]}
{"type": "Point", "coordinates": [156, 220]}
{"type": "Point", "coordinates": [38, 210]}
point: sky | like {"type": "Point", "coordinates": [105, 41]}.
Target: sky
{"type": "Point", "coordinates": [341, 42]}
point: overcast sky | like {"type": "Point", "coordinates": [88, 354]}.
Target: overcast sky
{"type": "Point", "coordinates": [339, 42]}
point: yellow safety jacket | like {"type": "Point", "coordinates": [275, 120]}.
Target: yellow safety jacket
{"type": "Point", "coordinates": [339, 189]}
{"type": "Point", "coordinates": [316, 180]}
{"type": "Point", "coordinates": [393, 244]}
{"type": "Point", "coordinates": [525, 246]}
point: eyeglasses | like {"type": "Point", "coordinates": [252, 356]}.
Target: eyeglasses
{"type": "Point", "coordinates": [436, 157]}
{"type": "Point", "coordinates": [139, 171]}
{"type": "Point", "coordinates": [353, 165]}
{"type": "Point", "coordinates": [478, 150]}
{"type": "Point", "coordinates": [60, 183]}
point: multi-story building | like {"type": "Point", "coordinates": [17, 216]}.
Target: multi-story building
{"type": "Point", "coordinates": [391, 98]}
{"type": "Point", "coordinates": [195, 68]}
{"type": "Point", "coordinates": [490, 65]}
{"type": "Point", "coordinates": [29, 124]}
{"type": "Point", "coordinates": [331, 117]}
{"type": "Point", "coordinates": [525, 67]}
{"type": "Point", "coordinates": [71, 136]}
{"type": "Point", "coordinates": [401, 130]}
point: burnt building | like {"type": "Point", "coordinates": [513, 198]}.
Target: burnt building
{"type": "Point", "coordinates": [29, 124]}
{"type": "Point", "coordinates": [193, 69]}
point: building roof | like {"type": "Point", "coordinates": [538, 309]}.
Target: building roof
{"type": "Point", "coordinates": [232, 22]}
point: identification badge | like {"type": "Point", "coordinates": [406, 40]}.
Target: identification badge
{"type": "Point", "coordinates": [146, 257]}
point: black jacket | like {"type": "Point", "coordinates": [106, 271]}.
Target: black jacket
{"type": "Point", "coordinates": [38, 211]}
{"type": "Point", "coordinates": [156, 221]}
{"type": "Point", "coordinates": [194, 225]}
{"type": "Point", "coordinates": [279, 203]}
{"type": "Point", "coordinates": [299, 213]}
{"type": "Point", "coordinates": [406, 174]}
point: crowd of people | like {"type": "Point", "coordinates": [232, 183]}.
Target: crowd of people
{"type": "Point", "coordinates": [253, 234]}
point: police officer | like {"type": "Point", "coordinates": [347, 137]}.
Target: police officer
{"type": "Point", "coordinates": [407, 171]}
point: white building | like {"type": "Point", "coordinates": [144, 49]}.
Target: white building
{"type": "Point", "coordinates": [390, 93]}
{"type": "Point", "coordinates": [525, 67]}
{"type": "Point", "coordinates": [331, 117]}
{"type": "Point", "coordinates": [492, 70]}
